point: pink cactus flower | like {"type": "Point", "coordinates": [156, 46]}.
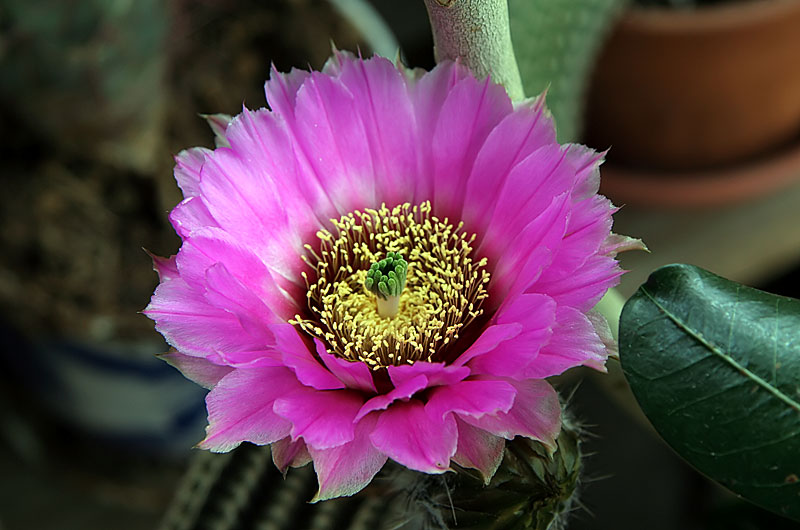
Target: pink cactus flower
{"type": "Point", "coordinates": [386, 264]}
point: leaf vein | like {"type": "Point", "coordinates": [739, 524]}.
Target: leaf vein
{"type": "Point", "coordinates": [722, 355]}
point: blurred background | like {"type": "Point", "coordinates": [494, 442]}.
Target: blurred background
{"type": "Point", "coordinates": [699, 102]}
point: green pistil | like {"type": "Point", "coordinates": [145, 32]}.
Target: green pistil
{"type": "Point", "coordinates": [386, 279]}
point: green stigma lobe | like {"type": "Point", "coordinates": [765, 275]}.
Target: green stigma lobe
{"type": "Point", "coordinates": [387, 277]}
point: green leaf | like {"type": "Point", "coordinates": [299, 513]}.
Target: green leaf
{"type": "Point", "coordinates": [715, 366]}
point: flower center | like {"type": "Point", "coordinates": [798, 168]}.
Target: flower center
{"type": "Point", "coordinates": [444, 286]}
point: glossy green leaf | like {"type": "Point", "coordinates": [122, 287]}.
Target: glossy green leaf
{"type": "Point", "coordinates": [715, 366]}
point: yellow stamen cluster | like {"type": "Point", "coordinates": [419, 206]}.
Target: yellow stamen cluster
{"type": "Point", "coordinates": [445, 286]}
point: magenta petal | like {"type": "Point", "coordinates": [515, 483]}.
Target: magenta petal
{"type": "Point", "coordinates": [355, 375]}
{"type": "Point", "coordinates": [213, 245]}
{"type": "Point", "coordinates": [296, 356]}
{"type": "Point", "coordinates": [324, 419]}
{"type": "Point", "coordinates": [488, 341]}
{"type": "Point", "coordinates": [407, 434]}
{"type": "Point", "coordinates": [536, 314]}
{"type": "Point", "coordinates": [281, 89]}
{"type": "Point", "coordinates": [192, 325]}
{"type": "Point", "coordinates": [164, 267]}
{"type": "Point", "coordinates": [348, 468]}
{"type": "Point", "coordinates": [477, 449]}
{"type": "Point", "coordinates": [188, 164]}
{"type": "Point", "coordinates": [584, 288]}
{"type": "Point", "coordinates": [226, 292]}
{"type": "Point", "coordinates": [470, 112]}
{"type": "Point", "coordinates": [190, 215]}
{"type": "Point", "coordinates": [287, 453]}
{"type": "Point", "coordinates": [381, 97]}
{"type": "Point", "coordinates": [536, 414]}
{"type": "Point", "coordinates": [404, 390]}
{"type": "Point", "coordinates": [197, 369]}
{"type": "Point", "coordinates": [436, 373]}
{"type": "Point", "coordinates": [472, 398]}
{"type": "Point", "coordinates": [240, 408]}
{"type": "Point", "coordinates": [517, 136]}
{"type": "Point", "coordinates": [603, 330]}
{"type": "Point", "coordinates": [331, 132]}
{"type": "Point", "coordinates": [574, 343]}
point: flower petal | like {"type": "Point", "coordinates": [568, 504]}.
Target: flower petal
{"type": "Point", "coordinates": [287, 453]}
{"type": "Point", "coordinates": [477, 449]}
{"type": "Point", "coordinates": [517, 136]}
{"type": "Point", "coordinates": [188, 164]}
{"type": "Point", "coordinates": [574, 343]}
{"type": "Point", "coordinates": [436, 373]}
{"type": "Point", "coordinates": [189, 215]}
{"type": "Point", "coordinates": [381, 98]}
{"type": "Point", "coordinates": [348, 468]}
{"type": "Point", "coordinates": [412, 437]}
{"type": "Point", "coordinates": [192, 325]}
{"type": "Point", "coordinates": [536, 414]}
{"type": "Point", "coordinates": [296, 355]}
{"type": "Point", "coordinates": [403, 390]}
{"type": "Point", "coordinates": [324, 419]}
{"type": "Point", "coordinates": [355, 375]}
{"type": "Point", "coordinates": [475, 397]}
{"type": "Point", "coordinates": [197, 369]}
{"type": "Point", "coordinates": [240, 408]}
{"type": "Point", "coordinates": [536, 314]}
{"type": "Point", "coordinates": [470, 112]}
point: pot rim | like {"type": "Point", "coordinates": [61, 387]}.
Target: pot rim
{"type": "Point", "coordinates": [723, 17]}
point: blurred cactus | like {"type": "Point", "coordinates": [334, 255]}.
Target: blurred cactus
{"type": "Point", "coordinates": [243, 490]}
{"type": "Point", "coordinates": [556, 43]}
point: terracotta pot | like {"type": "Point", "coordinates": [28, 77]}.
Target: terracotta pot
{"type": "Point", "coordinates": [693, 89]}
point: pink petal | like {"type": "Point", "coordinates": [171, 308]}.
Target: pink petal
{"type": "Point", "coordinates": [526, 193]}
{"type": "Point", "coordinates": [355, 375]}
{"type": "Point", "coordinates": [428, 95]}
{"type": "Point", "coordinates": [518, 135]}
{"type": "Point", "coordinates": [436, 373]}
{"type": "Point", "coordinates": [209, 246]}
{"type": "Point", "coordinates": [281, 89]}
{"type": "Point", "coordinates": [192, 325]}
{"type": "Point", "coordinates": [331, 133]}
{"type": "Point", "coordinates": [296, 355]}
{"type": "Point", "coordinates": [190, 215]}
{"type": "Point", "coordinates": [287, 453]}
{"type": "Point", "coordinates": [536, 314]}
{"type": "Point", "coordinates": [246, 198]}
{"type": "Point", "coordinates": [588, 228]}
{"type": "Point", "coordinates": [240, 408]}
{"type": "Point", "coordinates": [324, 419]}
{"type": "Point", "coordinates": [226, 292]}
{"type": "Point", "coordinates": [188, 164]}
{"type": "Point", "coordinates": [475, 398]}
{"type": "Point", "coordinates": [531, 252]}
{"type": "Point", "coordinates": [164, 267]}
{"type": "Point", "coordinates": [574, 343]}
{"type": "Point", "coordinates": [477, 449]}
{"type": "Point", "coordinates": [584, 288]}
{"type": "Point", "coordinates": [403, 391]}
{"type": "Point", "coordinates": [603, 330]}
{"type": "Point", "coordinates": [536, 414]}
{"type": "Point", "coordinates": [197, 369]}
{"type": "Point", "coordinates": [470, 112]}
{"type": "Point", "coordinates": [407, 434]}
{"type": "Point", "coordinates": [347, 469]}
{"type": "Point", "coordinates": [252, 358]}
{"type": "Point", "coordinates": [587, 164]}
{"type": "Point", "coordinates": [489, 340]}
{"type": "Point", "coordinates": [381, 98]}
